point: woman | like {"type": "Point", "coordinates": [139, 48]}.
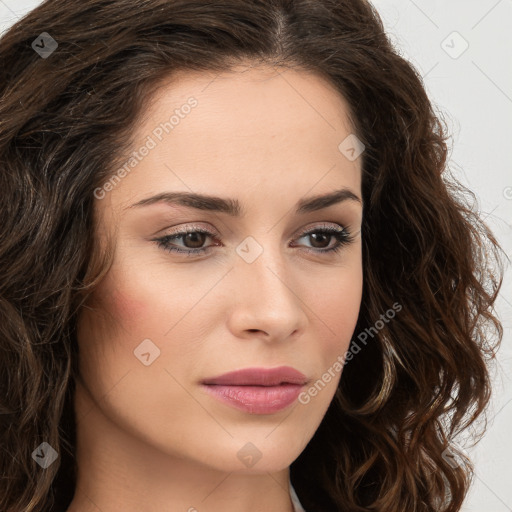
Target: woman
{"type": "Point", "coordinates": [234, 274]}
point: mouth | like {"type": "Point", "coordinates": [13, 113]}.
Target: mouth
{"type": "Point", "coordinates": [257, 390]}
{"type": "Point", "coordinates": [259, 377]}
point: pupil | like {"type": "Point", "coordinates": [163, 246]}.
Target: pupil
{"type": "Point", "coordinates": [316, 236]}
{"type": "Point", "coordinates": [195, 238]}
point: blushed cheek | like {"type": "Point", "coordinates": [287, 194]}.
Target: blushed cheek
{"type": "Point", "coordinates": [124, 304]}
{"type": "Point", "coordinates": [116, 307]}
{"type": "Point", "coordinates": [128, 308]}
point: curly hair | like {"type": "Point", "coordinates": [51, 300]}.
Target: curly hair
{"type": "Point", "coordinates": [65, 122]}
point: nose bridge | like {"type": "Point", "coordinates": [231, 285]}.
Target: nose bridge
{"type": "Point", "coordinates": [258, 263]}
{"type": "Point", "coordinates": [264, 297]}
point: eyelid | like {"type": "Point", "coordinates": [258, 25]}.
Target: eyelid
{"type": "Point", "coordinates": [192, 228]}
{"type": "Point", "coordinates": [341, 233]}
{"type": "Point", "coordinates": [319, 227]}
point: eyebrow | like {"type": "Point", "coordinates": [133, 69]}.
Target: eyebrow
{"type": "Point", "coordinates": [234, 208]}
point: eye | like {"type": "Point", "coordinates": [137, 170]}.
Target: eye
{"type": "Point", "coordinates": [193, 239]}
{"type": "Point", "coordinates": [322, 236]}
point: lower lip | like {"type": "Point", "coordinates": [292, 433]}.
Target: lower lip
{"type": "Point", "coordinates": [256, 399]}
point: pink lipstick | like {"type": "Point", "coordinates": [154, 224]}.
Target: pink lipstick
{"type": "Point", "coordinates": [257, 390]}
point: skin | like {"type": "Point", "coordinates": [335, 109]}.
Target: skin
{"type": "Point", "coordinates": [148, 437]}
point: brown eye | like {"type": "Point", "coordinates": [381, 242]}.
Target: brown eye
{"type": "Point", "coordinates": [320, 239]}
{"type": "Point", "coordinates": [192, 241]}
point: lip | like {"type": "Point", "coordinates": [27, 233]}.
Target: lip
{"type": "Point", "coordinates": [257, 390]}
{"type": "Point", "coordinates": [259, 377]}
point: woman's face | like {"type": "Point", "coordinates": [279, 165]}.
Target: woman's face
{"type": "Point", "coordinates": [260, 290]}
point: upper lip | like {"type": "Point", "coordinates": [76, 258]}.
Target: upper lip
{"type": "Point", "coordinates": [259, 377]}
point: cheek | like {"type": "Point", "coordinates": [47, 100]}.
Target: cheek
{"type": "Point", "coordinates": [338, 311]}
{"type": "Point", "coordinates": [129, 302]}
{"type": "Point", "coordinates": [340, 306]}
{"type": "Point", "coordinates": [128, 306]}
{"type": "Point", "coordinates": [110, 331]}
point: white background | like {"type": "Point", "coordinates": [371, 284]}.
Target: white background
{"type": "Point", "coordinates": [473, 89]}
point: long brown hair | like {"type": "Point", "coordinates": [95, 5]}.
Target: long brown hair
{"type": "Point", "coordinates": [66, 121]}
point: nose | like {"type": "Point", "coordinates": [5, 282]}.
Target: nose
{"type": "Point", "coordinates": [266, 299]}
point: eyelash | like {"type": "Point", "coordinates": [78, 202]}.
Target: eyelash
{"type": "Point", "coordinates": [342, 236]}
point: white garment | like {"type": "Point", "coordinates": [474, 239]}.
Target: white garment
{"type": "Point", "coordinates": [297, 507]}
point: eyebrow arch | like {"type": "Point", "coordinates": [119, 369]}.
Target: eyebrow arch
{"type": "Point", "coordinates": [233, 207]}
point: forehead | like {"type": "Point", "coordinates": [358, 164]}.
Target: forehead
{"type": "Point", "coordinates": [250, 128]}
{"type": "Point", "coordinates": [256, 100]}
